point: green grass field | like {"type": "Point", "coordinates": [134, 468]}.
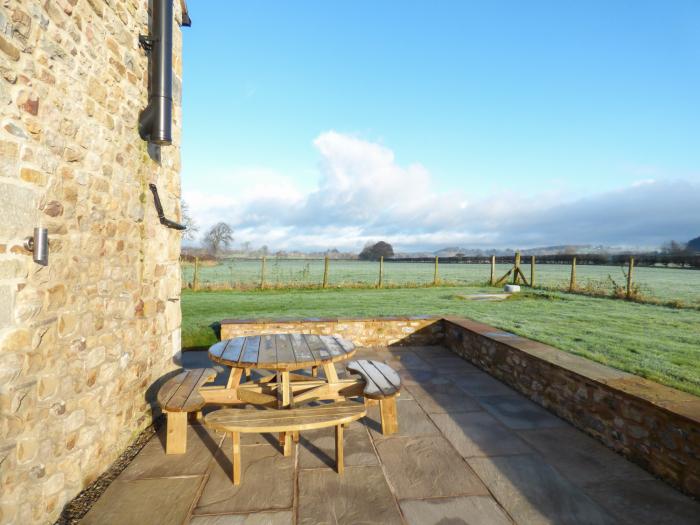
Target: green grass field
{"type": "Point", "coordinates": [656, 342]}
{"type": "Point", "coordinates": [664, 284]}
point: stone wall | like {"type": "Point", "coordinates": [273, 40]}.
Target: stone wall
{"type": "Point", "coordinates": [382, 331]}
{"type": "Point", "coordinates": [655, 426]}
{"type": "Point", "coordinates": [82, 339]}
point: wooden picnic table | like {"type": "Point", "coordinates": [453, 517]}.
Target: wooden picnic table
{"type": "Point", "coordinates": [282, 353]}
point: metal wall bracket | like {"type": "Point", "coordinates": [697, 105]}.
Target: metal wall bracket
{"type": "Point", "coordinates": [161, 215]}
{"type": "Point", "coordinates": [146, 42]}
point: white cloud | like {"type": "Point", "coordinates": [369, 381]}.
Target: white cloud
{"type": "Point", "coordinates": [364, 194]}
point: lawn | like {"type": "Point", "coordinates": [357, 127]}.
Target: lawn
{"type": "Point", "coordinates": [659, 343]}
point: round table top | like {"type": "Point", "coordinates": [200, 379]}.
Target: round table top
{"type": "Point", "coordinates": [281, 351]}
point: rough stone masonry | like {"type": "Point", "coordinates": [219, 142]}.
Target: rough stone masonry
{"type": "Point", "coordinates": [82, 339]}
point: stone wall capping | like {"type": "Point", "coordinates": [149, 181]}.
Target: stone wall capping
{"type": "Point", "coordinates": [280, 320]}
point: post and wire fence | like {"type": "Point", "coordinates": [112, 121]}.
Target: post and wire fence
{"type": "Point", "coordinates": [623, 277]}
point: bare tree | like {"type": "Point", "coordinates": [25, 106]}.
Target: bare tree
{"type": "Point", "coordinates": [188, 221]}
{"type": "Point", "coordinates": [219, 236]}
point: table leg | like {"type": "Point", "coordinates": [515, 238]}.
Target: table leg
{"type": "Point", "coordinates": [331, 374]}
{"type": "Point", "coordinates": [285, 401]}
{"type": "Point", "coordinates": [234, 379]}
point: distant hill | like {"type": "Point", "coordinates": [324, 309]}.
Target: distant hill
{"type": "Point", "coordinates": [694, 245]}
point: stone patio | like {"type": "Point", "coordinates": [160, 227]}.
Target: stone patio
{"type": "Point", "coordinates": [469, 450]}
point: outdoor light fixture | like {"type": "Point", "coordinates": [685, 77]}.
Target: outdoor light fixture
{"type": "Point", "coordinates": [155, 122]}
{"type": "Point", "coordinates": [39, 246]}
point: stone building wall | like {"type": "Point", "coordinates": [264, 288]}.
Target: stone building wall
{"type": "Point", "coordinates": [82, 339]}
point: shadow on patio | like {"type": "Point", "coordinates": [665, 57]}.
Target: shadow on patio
{"type": "Point", "coordinates": [469, 450]}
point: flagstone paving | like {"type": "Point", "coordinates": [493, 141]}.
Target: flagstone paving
{"type": "Point", "coordinates": [469, 450]}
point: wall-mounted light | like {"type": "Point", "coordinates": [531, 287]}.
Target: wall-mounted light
{"type": "Point", "coordinates": [39, 246]}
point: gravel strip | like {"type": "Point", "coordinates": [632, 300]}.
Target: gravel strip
{"type": "Point", "coordinates": [74, 511]}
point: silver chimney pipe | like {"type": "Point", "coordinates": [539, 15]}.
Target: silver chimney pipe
{"type": "Point", "coordinates": [155, 122]}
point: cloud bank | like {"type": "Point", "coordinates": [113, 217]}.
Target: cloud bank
{"type": "Point", "coordinates": [363, 195]}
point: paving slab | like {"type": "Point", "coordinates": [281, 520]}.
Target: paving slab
{"type": "Point", "coordinates": [532, 492]}
{"type": "Point", "coordinates": [427, 467]}
{"type": "Point", "coordinates": [451, 365]}
{"type": "Point", "coordinates": [406, 359]}
{"type": "Point", "coordinates": [467, 510]}
{"type": "Point", "coordinates": [479, 384]}
{"type": "Point", "coordinates": [415, 375]}
{"type": "Point", "coordinates": [317, 447]}
{"type": "Point", "coordinates": [267, 481]}
{"type": "Point", "coordinates": [475, 434]}
{"type": "Point", "coordinates": [440, 397]}
{"type": "Point", "coordinates": [284, 517]}
{"type": "Point", "coordinates": [413, 421]}
{"type": "Point", "coordinates": [153, 462]}
{"type": "Point", "coordinates": [651, 502]}
{"type": "Point", "coordinates": [162, 501]}
{"type": "Point", "coordinates": [429, 352]}
{"type": "Point", "coordinates": [361, 495]}
{"type": "Point", "coordinates": [581, 458]}
{"type": "Point", "coordinates": [519, 413]}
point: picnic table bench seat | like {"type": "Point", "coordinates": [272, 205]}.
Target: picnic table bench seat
{"type": "Point", "coordinates": [383, 384]}
{"type": "Point", "coordinates": [177, 397]}
{"type": "Point", "coordinates": [237, 421]}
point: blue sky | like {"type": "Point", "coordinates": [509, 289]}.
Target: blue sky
{"type": "Point", "coordinates": [317, 124]}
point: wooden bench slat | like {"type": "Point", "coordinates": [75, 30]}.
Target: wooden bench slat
{"type": "Point", "coordinates": [181, 393]}
{"type": "Point", "coordinates": [294, 420]}
{"type": "Point", "coordinates": [381, 380]}
{"type": "Point", "coordinates": [373, 368]}
{"type": "Point", "coordinates": [387, 372]}
{"type": "Point", "coordinates": [169, 388]}
{"type": "Point", "coordinates": [186, 386]}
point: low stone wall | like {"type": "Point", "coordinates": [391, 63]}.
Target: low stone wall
{"type": "Point", "coordinates": [655, 426]}
{"type": "Point", "coordinates": [363, 332]}
{"type": "Point", "coordinates": [652, 425]}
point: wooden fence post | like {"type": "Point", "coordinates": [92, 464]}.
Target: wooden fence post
{"type": "Point", "coordinates": [381, 271]}
{"type": "Point", "coordinates": [195, 278]}
{"type": "Point", "coordinates": [629, 278]}
{"type": "Point", "coordinates": [436, 278]}
{"type": "Point", "coordinates": [493, 270]}
{"type": "Point", "coordinates": [516, 269]}
{"type": "Point", "coordinates": [325, 272]}
{"type": "Point", "coordinates": [572, 283]}
{"type": "Point", "coordinates": [262, 273]}
{"type": "Point", "coordinates": [532, 271]}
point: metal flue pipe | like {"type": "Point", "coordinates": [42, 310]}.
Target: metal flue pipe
{"type": "Point", "coordinates": [155, 122]}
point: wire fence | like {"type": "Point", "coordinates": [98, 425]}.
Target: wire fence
{"type": "Point", "coordinates": [653, 283]}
